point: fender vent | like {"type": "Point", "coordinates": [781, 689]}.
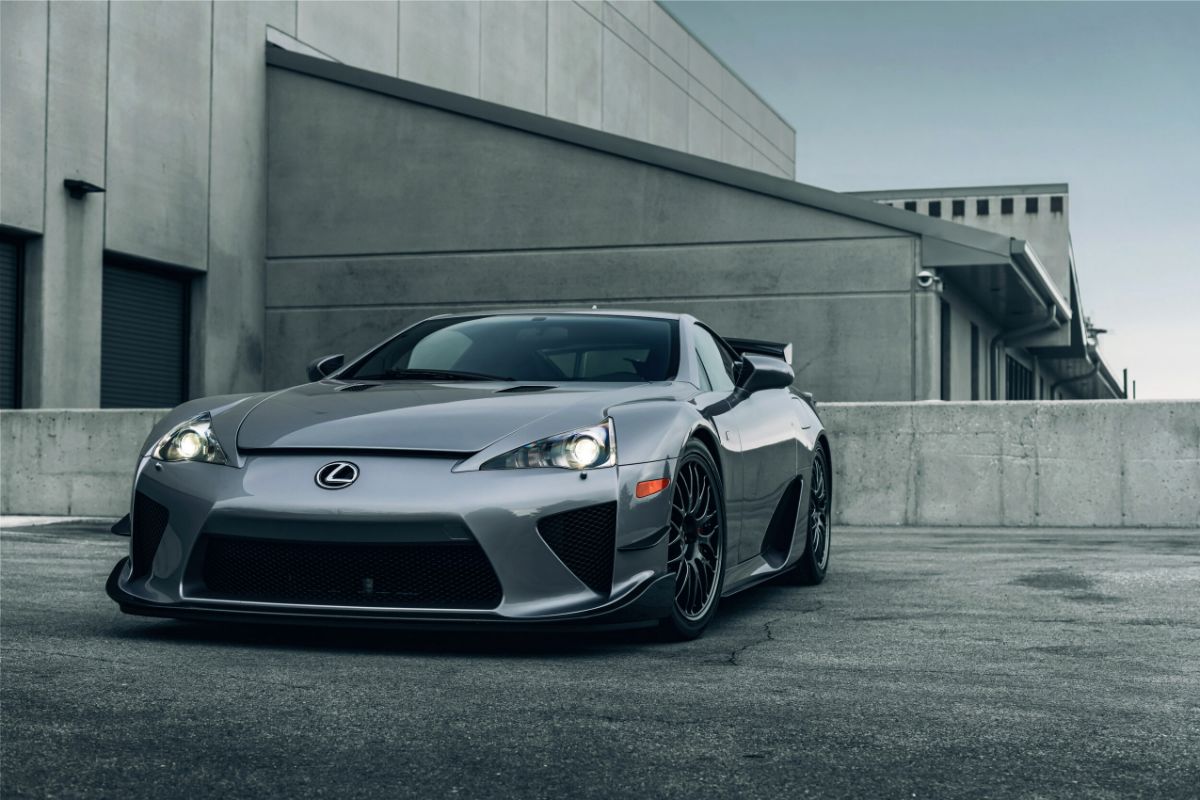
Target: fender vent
{"type": "Point", "coordinates": [584, 539]}
{"type": "Point", "coordinates": [149, 522]}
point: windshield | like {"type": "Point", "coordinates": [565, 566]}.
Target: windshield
{"type": "Point", "coordinates": [551, 347]}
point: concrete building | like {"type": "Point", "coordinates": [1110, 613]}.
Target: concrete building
{"type": "Point", "coordinates": [1052, 362]}
{"type": "Point", "coordinates": [153, 290]}
{"type": "Point", "coordinates": [284, 180]}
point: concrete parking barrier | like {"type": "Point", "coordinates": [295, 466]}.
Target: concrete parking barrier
{"type": "Point", "coordinates": [1026, 464]}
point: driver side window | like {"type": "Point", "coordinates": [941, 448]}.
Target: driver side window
{"type": "Point", "coordinates": [717, 365]}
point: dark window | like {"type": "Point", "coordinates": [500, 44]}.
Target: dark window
{"type": "Point", "coordinates": [1041, 388]}
{"type": "Point", "coordinates": [542, 347]}
{"type": "Point", "coordinates": [10, 323]}
{"type": "Point", "coordinates": [975, 389]}
{"type": "Point", "coordinates": [958, 207]}
{"type": "Point", "coordinates": [910, 205]}
{"type": "Point", "coordinates": [945, 331]}
{"type": "Point", "coordinates": [1031, 205]}
{"type": "Point", "coordinates": [981, 208]}
{"type": "Point", "coordinates": [144, 338]}
{"type": "Point", "coordinates": [1018, 384]}
{"type": "Point", "coordinates": [1006, 205]}
{"type": "Point", "coordinates": [1056, 204]}
{"type": "Point", "coordinates": [935, 208]}
{"type": "Point", "coordinates": [715, 360]}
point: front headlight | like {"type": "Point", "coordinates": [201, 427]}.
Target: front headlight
{"type": "Point", "coordinates": [192, 440]}
{"type": "Point", "coordinates": [586, 448]}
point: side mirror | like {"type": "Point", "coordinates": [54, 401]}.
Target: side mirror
{"type": "Point", "coordinates": [322, 367]}
{"type": "Point", "coordinates": [763, 372]}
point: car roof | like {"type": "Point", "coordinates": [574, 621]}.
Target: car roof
{"type": "Point", "coordinates": [596, 312]}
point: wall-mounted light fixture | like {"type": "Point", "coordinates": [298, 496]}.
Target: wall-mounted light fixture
{"type": "Point", "coordinates": [80, 189]}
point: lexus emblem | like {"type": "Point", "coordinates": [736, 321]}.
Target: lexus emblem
{"type": "Point", "coordinates": [337, 475]}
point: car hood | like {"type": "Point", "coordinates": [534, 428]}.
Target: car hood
{"type": "Point", "coordinates": [455, 417]}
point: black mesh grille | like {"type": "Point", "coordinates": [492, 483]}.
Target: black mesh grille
{"type": "Point", "coordinates": [149, 522]}
{"type": "Point", "coordinates": [441, 575]}
{"type": "Point", "coordinates": [583, 539]}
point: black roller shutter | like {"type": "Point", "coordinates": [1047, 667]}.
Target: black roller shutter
{"type": "Point", "coordinates": [144, 338]}
{"type": "Point", "coordinates": [10, 323]}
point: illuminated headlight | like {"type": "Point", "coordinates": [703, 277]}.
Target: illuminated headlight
{"type": "Point", "coordinates": [586, 448]}
{"type": "Point", "coordinates": [192, 440]}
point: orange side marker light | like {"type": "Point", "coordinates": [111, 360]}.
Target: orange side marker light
{"type": "Point", "coordinates": [647, 488]}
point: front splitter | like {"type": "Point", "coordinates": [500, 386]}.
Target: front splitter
{"type": "Point", "coordinates": [642, 607]}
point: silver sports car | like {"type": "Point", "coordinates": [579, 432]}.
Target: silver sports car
{"type": "Point", "coordinates": [536, 468]}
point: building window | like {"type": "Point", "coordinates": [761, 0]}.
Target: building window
{"type": "Point", "coordinates": [945, 355]}
{"type": "Point", "coordinates": [1006, 205]}
{"type": "Point", "coordinates": [974, 361]}
{"type": "Point", "coordinates": [1056, 204]}
{"type": "Point", "coordinates": [11, 252]}
{"type": "Point", "coordinates": [144, 338]}
{"type": "Point", "coordinates": [958, 207]}
{"type": "Point", "coordinates": [910, 205]}
{"type": "Point", "coordinates": [935, 208]}
{"type": "Point", "coordinates": [981, 208]}
{"type": "Point", "coordinates": [1041, 388]}
{"type": "Point", "coordinates": [1031, 205]}
{"type": "Point", "coordinates": [1018, 380]}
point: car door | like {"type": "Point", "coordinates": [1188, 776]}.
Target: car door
{"type": "Point", "coordinates": [715, 403]}
{"type": "Point", "coordinates": [766, 424]}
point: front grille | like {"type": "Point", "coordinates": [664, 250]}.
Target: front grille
{"type": "Point", "coordinates": [149, 522]}
{"type": "Point", "coordinates": [583, 539]}
{"type": "Point", "coordinates": [439, 575]}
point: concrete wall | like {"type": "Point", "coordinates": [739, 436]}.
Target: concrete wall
{"type": "Point", "coordinates": [75, 463]}
{"type": "Point", "coordinates": [1061, 464]}
{"type": "Point", "coordinates": [164, 105]}
{"type": "Point", "coordinates": [412, 211]}
{"type": "Point", "coordinates": [1064, 464]}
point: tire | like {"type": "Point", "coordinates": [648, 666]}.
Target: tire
{"type": "Point", "coordinates": [696, 542]}
{"type": "Point", "coordinates": [813, 564]}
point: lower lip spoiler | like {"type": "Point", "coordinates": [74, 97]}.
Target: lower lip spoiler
{"type": "Point", "coordinates": [644, 606]}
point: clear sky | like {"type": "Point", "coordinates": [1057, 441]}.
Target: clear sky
{"type": "Point", "coordinates": [1102, 96]}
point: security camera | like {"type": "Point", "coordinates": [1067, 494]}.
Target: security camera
{"type": "Point", "coordinates": [928, 280]}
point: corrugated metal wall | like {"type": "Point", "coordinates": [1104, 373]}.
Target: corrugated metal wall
{"type": "Point", "coordinates": [10, 323]}
{"type": "Point", "coordinates": [145, 336]}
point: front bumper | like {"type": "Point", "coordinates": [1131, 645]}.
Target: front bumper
{"type": "Point", "coordinates": [400, 500]}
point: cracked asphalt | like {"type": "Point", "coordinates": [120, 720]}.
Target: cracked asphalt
{"type": "Point", "coordinates": [1017, 663]}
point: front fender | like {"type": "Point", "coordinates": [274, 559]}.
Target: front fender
{"type": "Point", "coordinates": [652, 431]}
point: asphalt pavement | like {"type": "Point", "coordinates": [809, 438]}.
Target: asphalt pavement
{"type": "Point", "coordinates": [1015, 663]}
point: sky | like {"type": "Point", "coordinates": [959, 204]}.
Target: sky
{"type": "Point", "coordinates": [1102, 96]}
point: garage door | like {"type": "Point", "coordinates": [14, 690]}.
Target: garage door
{"type": "Point", "coordinates": [10, 323]}
{"type": "Point", "coordinates": [144, 338]}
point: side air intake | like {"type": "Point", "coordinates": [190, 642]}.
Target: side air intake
{"type": "Point", "coordinates": [584, 540]}
{"type": "Point", "coordinates": [149, 522]}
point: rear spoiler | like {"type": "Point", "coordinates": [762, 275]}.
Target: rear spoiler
{"type": "Point", "coordinates": [762, 348]}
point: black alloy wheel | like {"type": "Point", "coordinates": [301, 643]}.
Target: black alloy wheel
{"type": "Point", "coordinates": [695, 543]}
{"type": "Point", "coordinates": [810, 569]}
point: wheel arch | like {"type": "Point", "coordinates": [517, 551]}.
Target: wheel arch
{"type": "Point", "coordinates": [709, 439]}
{"type": "Point", "coordinates": [823, 443]}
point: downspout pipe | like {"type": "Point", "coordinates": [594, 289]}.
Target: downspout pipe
{"type": "Point", "coordinates": [1090, 373]}
{"type": "Point", "coordinates": [1049, 322]}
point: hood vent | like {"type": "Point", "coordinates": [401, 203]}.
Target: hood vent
{"type": "Point", "coordinates": [356, 387]}
{"type": "Point", "coordinates": [516, 389]}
